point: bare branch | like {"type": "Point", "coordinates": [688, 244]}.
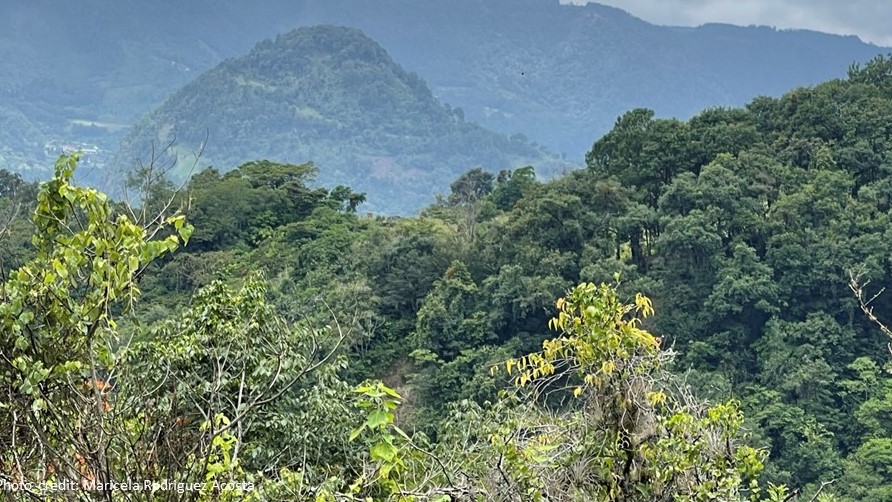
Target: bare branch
{"type": "Point", "coordinates": [825, 484]}
{"type": "Point", "coordinates": [865, 304]}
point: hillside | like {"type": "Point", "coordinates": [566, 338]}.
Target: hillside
{"type": "Point", "coordinates": [332, 96]}
{"type": "Point", "coordinates": [742, 224]}
{"type": "Point", "coordinates": [747, 227]}
{"type": "Point", "coordinates": [559, 74]}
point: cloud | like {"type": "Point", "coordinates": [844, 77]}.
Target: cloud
{"type": "Point", "coordinates": [868, 19]}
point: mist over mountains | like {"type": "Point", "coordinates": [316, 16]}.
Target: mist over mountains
{"type": "Point", "coordinates": [332, 96]}
{"type": "Point", "coordinates": [78, 73]}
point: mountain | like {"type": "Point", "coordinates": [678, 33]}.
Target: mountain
{"type": "Point", "coordinates": [333, 96]}
{"type": "Point", "coordinates": [559, 74]}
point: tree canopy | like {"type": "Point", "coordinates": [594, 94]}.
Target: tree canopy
{"type": "Point", "coordinates": [706, 344]}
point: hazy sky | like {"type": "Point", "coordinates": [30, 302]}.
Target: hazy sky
{"type": "Point", "coordinates": [869, 19]}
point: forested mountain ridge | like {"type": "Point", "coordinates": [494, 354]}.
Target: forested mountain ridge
{"type": "Point", "coordinates": [332, 96]}
{"type": "Point", "coordinates": [744, 225]}
{"type": "Point", "coordinates": [558, 74]}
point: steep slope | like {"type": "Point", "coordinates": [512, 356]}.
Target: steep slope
{"type": "Point", "coordinates": [560, 74]}
{"type": "Point", "coordinates": [335, 97]}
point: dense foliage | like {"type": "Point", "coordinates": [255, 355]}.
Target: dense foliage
{"type": "Point", "coordinates": [227, 400]}
{"type": "Point", "coordinates": [742, 224]}
{"type": "Point", "coordinates": [414, 358]}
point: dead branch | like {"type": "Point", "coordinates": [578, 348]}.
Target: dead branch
{"type": "Point", "coordinates": [864, 302]}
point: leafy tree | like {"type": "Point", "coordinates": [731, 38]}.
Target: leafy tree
{"type": "Point", "coordinates": [630, 434]}
{"type": "Point", "coordinates": [511, 186]}
{"type": "Point", "coordinates": [210, 396]}
{"type": "Point", "coordinates": [59, 336]}
{"type": "Point", "coordinates": [642, 152]}
{"type": "Point", "coordinates": [230, 355]}
{"type": "Point", "coordinates": [446, 320]}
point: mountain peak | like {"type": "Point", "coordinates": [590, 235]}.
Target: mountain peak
{"type": "Point", "coordinates": [327, 41]}
{"type": "Point", "coordinates": [333, 96]}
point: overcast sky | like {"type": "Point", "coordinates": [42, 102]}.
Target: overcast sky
{"type": "Point", "coordinates": [869, 19]}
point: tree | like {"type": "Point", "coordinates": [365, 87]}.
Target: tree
{"type": "Point", "coordinates": [634, 434]}
{"type": "Point", "coordinates": [642, 152]}
{"type": "Point", "coordinates": [59, 333]}
{"type": "Point", "coordinates": [230, 367]}
{"type": "Point", "coordinates": [346, 199]}
{"type": "Point", "coordinates": [877, 71]}
{"type": "Point", "coordinates": [593, 416]}
{"type": "Point", "coordinates": [264, 173]}
{"type": "Point", "coordinates": [16, 199]}
{"type": "Point", "coordinates": [468, 193]}
{"type": "Point", "coordinates": [868, 471]}
{"type": "Point", "coordinates": [201, 398]}
{"type": "Point", "coordinates": [447, 321]}
{"type": "Point", "coordinates": [512, 186]}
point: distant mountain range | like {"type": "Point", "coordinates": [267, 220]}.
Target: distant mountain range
{"type": "Point", "coordinates": [333, 96]}
{"type": "Point", "coordinates": [558, 74]}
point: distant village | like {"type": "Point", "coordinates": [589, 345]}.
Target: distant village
{"type": "Point", "coordinates": [90, 153]}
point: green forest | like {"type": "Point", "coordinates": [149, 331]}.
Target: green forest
{"type": "Point", "coordinates": [697, 315]}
